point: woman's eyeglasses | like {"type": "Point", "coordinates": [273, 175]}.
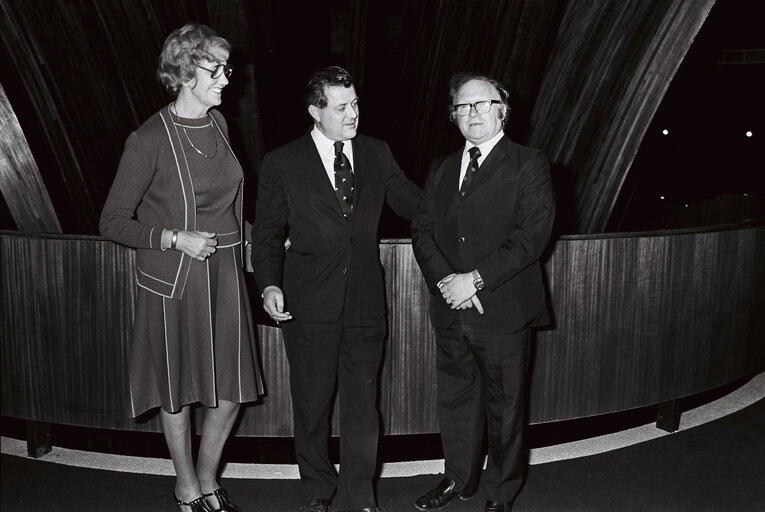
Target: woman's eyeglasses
{"type": "Point", "coordinates": [220, 69]}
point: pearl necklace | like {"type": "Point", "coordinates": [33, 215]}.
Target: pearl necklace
{"type": "Point", "coordinates": [183, 127]}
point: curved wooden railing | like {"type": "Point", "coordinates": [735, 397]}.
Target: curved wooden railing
{"type": "Point", "coordinates": [639, 319]}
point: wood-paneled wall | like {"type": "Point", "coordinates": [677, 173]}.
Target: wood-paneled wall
{"type": "Point", "coordinates": [638, 320]}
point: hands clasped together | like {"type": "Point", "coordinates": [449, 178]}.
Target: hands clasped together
{"type": "Point", "coordinates": [459, 292]}
{"type": "Point", "coordinates": [199, 245]}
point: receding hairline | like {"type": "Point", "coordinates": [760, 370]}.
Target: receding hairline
{"type": "Point", "coordinates": [483, 80]}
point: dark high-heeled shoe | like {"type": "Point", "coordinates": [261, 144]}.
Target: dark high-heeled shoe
{"type": "Point", "coordinates": [224, 502]}
{"type": "Point", "coordinates": [197, 505]}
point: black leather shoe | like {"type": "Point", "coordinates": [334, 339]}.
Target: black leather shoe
{"type": "Point", "coordinates": [197, 505]}
{"type": "Point", "coordinates": [439, 497]}
{"type": "Point", "coordinates": [498, 506]}
{"type": "Point", "coordinates": [224, 502]}
{"type": "Point", "coordinates": [365, 509]}
{"type": "Point", "coordinates": [466, 494]}
{"type": "Point", "coordinates": [315, 505]}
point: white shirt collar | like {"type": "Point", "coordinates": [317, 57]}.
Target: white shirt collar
{"type": "Point", "coordinates": [323, 144]}
{"type": "Point", "coordinates": [485, 148]}
{"type": "Point", "coordinates": [326, 149]}
{"type": "Point", "coordinates": [326, 145]}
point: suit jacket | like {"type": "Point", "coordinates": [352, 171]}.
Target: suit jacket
{"type": "Point", "coordinates": [329, 257]}
{"type": "Point", "coordinates": [501, 227]}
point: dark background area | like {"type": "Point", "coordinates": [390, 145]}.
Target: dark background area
{"type": "Point", "coordinates": [705, 170]}
{"type": "Point", "coordinates": [80, 76]}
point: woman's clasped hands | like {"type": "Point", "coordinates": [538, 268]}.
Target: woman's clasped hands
{"type": "Point", "coordinates": [199, 245]}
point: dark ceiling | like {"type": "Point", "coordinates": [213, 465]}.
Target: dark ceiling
{"type": "Point", "coordinates": [588, 79]}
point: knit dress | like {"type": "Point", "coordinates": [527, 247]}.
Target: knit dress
{"type": "Point", "coordinates": [199, 348]}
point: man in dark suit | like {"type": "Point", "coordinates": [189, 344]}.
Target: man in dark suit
{"type": "Point", "coordinates": [484, 219]}
{"type": "Point", "coordinates": [325, 191]}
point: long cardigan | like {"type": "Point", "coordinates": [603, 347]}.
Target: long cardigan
{"type": "Point", "coordinates": [153, 190]}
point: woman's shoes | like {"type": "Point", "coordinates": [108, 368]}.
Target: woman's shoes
{"type": "Point", "coordinates": [198, 505]}
{"type": "Point", "coordinates": [224, 502]}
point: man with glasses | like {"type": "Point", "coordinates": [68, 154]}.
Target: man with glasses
{"type": "Point", "coordinates": [485, 217]}
{"type": "Point", "coordinates": [327, 290]}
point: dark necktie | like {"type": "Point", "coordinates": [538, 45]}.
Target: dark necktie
{"type": "Point", "coordinates": [471, 170]}
{"type": "Point", "coordinates": [343, 180]}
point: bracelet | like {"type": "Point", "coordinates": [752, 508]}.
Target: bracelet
{"type": "Point", "coordinates": [175, 239]}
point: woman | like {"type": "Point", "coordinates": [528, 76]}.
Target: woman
{"type": "Point", "coordinates": [177, 198]}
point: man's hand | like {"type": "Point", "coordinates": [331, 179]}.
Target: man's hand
{"type": "Point", "coordinates": [458, 289]}
{"type": "Point", "coordinates": [472, 301]}
{"type": "Point", "coordinates": [273, 303]}
{"type": "Point", "coordinates": [248, 257]}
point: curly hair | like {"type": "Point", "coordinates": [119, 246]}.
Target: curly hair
{"type": "Point", "coordinates": [329, 76]}
{"type": "Point", "coordinates": [183, 50]}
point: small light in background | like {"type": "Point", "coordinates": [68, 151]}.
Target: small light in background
{"type": "Point", "coordinates": [749, 133]}
{"type": "Point", "coordinates": [665, 132]}
{"type": "Point", "coordinates": [661, 197]}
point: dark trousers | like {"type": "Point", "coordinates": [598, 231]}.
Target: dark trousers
{"type": "Point", "coordinates": [482, 382]}
{"type": "Point", "coordinates": [322, 355]}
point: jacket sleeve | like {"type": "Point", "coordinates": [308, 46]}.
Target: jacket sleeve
{"type": "Point", "coordinates": [269, 229]}
{"type": "Point", "coordinates": [402, 193]}
{"type": "Point", "coordinates": [134, 175]}
{"type": "Point", "coordinates": [536, 213]}
{"type": "Point", "coordinates": [431, 260]}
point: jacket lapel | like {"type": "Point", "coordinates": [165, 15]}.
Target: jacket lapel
{"type": "Point", "coordinates": [316, 175]}
{"type": "Point", "coordinates": [360, 161]}
{"type": "Point", "coordinates": [449, 185]}
{"type": "Point", "coordinates": [491, 165]}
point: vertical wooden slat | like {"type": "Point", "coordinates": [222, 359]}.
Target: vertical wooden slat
{"type": "Point", "coordinates": [408, 383]}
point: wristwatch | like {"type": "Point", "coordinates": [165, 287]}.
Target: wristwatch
{"type": "Point", "coordinates": [478, 281]}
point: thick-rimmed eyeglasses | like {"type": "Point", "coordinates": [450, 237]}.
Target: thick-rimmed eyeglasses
{"type": "Point", "coordinates": [220, 69]}
{"type": "Point", "coordinates": [463, 109]}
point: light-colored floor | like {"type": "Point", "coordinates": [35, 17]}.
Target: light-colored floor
{"type": "Point", "coordinates": [745, 395]}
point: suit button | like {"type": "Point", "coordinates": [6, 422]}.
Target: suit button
{"type": "Point", "coordinates": [345, 270]}
{"type": "Point", "coordinates": [350, 239]}
{"type": "Point", "coordinates": [460, 238]}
